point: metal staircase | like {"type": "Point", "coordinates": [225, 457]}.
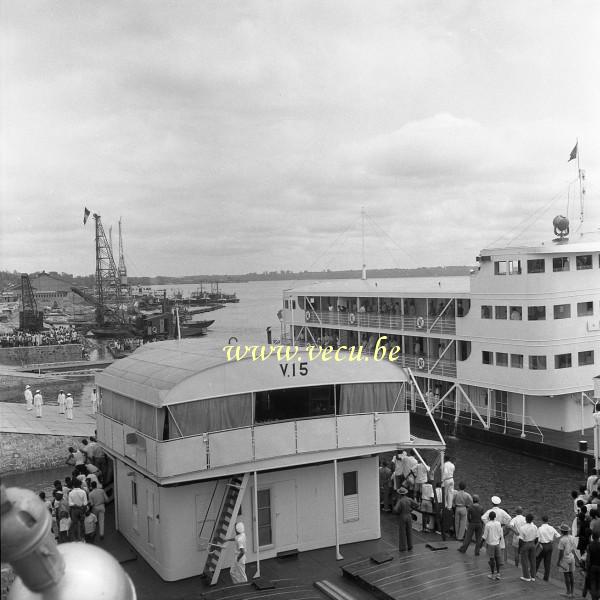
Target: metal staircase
{"type": "Point", "coordinates": [225, 525]}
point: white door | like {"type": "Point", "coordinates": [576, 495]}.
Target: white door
{"type": "Point", "coordinates": [285, 515]}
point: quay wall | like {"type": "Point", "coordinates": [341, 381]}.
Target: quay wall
{"type": "Point", "coordinates": [31, 452]}
{"type": "Point", "coordinates": [27, 355]}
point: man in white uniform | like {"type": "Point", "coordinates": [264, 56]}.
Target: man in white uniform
{"type": "Point", "coordinates": [38, 402]}
{"type": "Point", "coordinates": [448, 482]}
{"type": "Point", "coordinates": [28, 398]}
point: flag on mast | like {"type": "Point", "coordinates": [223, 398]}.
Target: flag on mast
{"type": "Point", "coordinates": [573, 154]}
{"type": "Point", "coordinates": [86, 214]}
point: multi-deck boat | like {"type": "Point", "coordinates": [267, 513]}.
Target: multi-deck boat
{"type": "Point", "coordinates": [287, 445]}
{"type": "Point", "coordinates": [516, 344]}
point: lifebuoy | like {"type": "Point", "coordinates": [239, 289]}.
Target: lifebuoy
{"type": "Point", "coordinates": [307, 315]}
{"type": "Point", "coordinates": [154, 330]}
{"type": "Point", "coordinates": [420, 322]}
{"type": "Point", "coordinates": [421, 363]}
{"type": "Point", "coordinates": [352, 318]}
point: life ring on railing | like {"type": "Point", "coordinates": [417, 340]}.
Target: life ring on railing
{"type": "Point", "coordinates": [420, 322]}
{"type": "Point", "coordinates": [421, 363]}
{"type": "Point", "coordinates": [154, 330]}
{"type": "Point", "coordinates": [351, 318]}
{"type": "Point", "coordinates": [307, 315]}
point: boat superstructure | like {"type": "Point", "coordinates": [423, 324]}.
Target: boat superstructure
{"type": "Point", "coordinates": [287, 445]}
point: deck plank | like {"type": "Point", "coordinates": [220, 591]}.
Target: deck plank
{"type": "Point", "coordinates": [423, 573]}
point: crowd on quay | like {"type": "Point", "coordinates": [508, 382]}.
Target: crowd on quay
{"type": "Point", "coordinates": [64, 402]}
{"type": "Point", "coordinates": [58, 335]}
{"type": "Point", "coordinates": [407, 489]}
{"type": "Point", "coordinates": [78, 504]}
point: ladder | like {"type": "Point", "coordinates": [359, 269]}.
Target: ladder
{"type": "Point", "coordinates": [225, 525]}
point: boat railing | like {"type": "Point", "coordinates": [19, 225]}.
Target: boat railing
{"type": "Point", "coordinates": [441, 326]}
{"type": "Point", "coordinates": [260, 442]}
{"type": "Point", "coordinates": [506, 423]}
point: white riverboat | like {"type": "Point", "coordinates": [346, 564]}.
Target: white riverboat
{"type": "Point", "coordinates": [289, 447]}
{"type": "Point", "coordinates": [515, 345]}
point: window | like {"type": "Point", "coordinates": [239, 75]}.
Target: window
{"type": "Point", "coordinates": [585, 358]}
{"type": "Point", "coordinates": [487, 358]}
{"type": "Point", "coordinates": [562, 361]}
{"type": "Point", "coordinates": [501, 359]}
{"type": "Point", "coordinates": [536, 313]}
{"type": "Point", "coordinates": [350, 483]}
{"type": "Point", "coordinates": [500, 312]}
{"type": "Point", "coordinates": [516, 313]}
{"type": "Point", "coordinates": [516, 361]}
{"type": "Point", "coordinates": [562, 311]}
{"type": "Point", "coordinates": [560, 263]}
{"type": "Point", "coordinates": [536, 265]}
{"type": "Point", "coordinates": [350, 499]}
{"type": "Point", "coordinates": [500, 267]}
{"type": "Point", "coordinates": [585, 309]}
{"type": "Point", "coordinates": [583, 262]}
{"type": "Point", "coordinates": [265, 531]}
{"type": "Point", "coordinates": [514, 267]}
{"type": "Point", "coordinates": [134, 497]}
{"type": "Point", "coordinates": [486, 312]}
{"type": "Point", "coordinates": [537, 363]}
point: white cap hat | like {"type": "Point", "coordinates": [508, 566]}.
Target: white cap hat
{"type": "Point", "coordinates": [27, 387]}
{"type": "Point", "coordinates": [496, 500]}
{"type": "Point", "coordinates": [69, 394]}
{"type": "Point", "coordinates": [37, 391]}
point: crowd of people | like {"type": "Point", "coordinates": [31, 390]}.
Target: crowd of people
{"type": "Point", "coordinates": [64, 402]}
{"type": "Point", "coordinates": [78, 504]}
{"type": "Point", "coordinates": [407, 489]}
{"type": "Point", "coordinates": [58, 335]}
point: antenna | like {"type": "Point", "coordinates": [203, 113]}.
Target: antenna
{"type": "Point", "coordinates": [364, 262]}
{"type": "Point", "coordinates": [122, 267]}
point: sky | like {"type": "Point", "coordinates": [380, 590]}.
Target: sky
{"type": "Point", "coordinates": [247, 136]}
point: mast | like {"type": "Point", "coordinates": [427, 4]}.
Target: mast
{"type": "Point", "coordinates": [581, 174]}
{"type": "Point", "coordinates": [364, 262]}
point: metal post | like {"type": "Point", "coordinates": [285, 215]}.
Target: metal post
{"type": "Point", "coordinates": [489, 407]}
{"type": "Point", "coordinates": [257, 574]}
{"type": "Point", "coordinates": [338, 556]}
{"type": "Point", "coordinates": [582, 427]}
{"type": "Point", "coordinates": [523, 419]}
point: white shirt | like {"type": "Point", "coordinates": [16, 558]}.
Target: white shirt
{"type": "Point", "coordinates": [547, 533]}
{"type": "Point", "coordinates": [492, 533]}
{"type": "Point", "coordinates": [516, 522]}
{"type": "Point", "coordinates": [448, 471]}
{"type": "Point", "coordinates": [37, 400]}
{"type": "Point", "coordinates": [528, 532]}
{"type": "Point", "coordinates": [77, 497]}
{"type": "Point", "coordinates": [501, 515]}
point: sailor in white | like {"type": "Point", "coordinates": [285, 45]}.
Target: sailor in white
{"type": "Point", "coordinates": [61, 401]}
{"type": "Point", "coordinates": [28, 397]}
{"type": "Point", "coordinates": [38, 402]}
{"type": "Point", "coordinates": [69, 406]}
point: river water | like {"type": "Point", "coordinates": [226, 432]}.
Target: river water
{"type": "Point", "coordinates": [538, 486]}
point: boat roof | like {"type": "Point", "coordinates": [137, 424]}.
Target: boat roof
{"type": "Point", "coordinates": [416, 286]}
{"type": "Point", "coordinates": [590, 242]}
{"type": "Point", "coordinates": [177, 371]}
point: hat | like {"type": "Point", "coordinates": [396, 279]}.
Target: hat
{"type": "Point", "coordinates": [37, 391]}
{"type": "Point", "coordinates": [239, 527]}
{"type": "Point", "coordinates": [403, 491]}
{"type": "Point", "coordinates": [27, 387]}
{"type": "Point", "coordinates": [69, 394]}
{"type": "Point", "coordinates": [58, 493]}
{"type": "Point", "coordinates": [496, 500]}
{"type": "Point", "coordinates": [565, 528]}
